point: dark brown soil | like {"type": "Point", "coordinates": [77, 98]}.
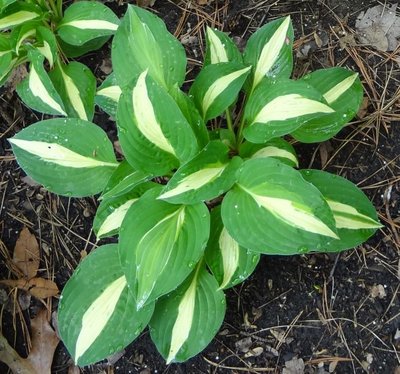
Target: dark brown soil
{"type": "Point", "coordinates": [319, 308]}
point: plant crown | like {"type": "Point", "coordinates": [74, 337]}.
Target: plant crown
{"type": "Point", "coordinates": [208, 183]}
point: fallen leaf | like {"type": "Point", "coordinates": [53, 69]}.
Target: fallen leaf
{"type": "Point", "coordinates": [26, 253]}
{"type": "Point", "coordinates": [244, 344]}
{"type": "Point", "coordinates": [44, 343]}
{"type": "Point", "coordinates": [294, 366]}
{"type": "Point", "coordinates": [38, 287]}
{"type": "Point", "coordinates": [380, 27]}
{"type": "Point", "coordinates": [363, 108]}
{"type": "Point", "coordinates": [254, 352]}
{"type": "Point", "coordinates": [378, 291]}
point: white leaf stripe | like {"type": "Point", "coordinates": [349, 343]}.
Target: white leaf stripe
{"type": "Point", "coordinates": [270, 52]}
{"type": "Point", "coordinates": [22, 38]}
{"type": "Point", "coordinates": [161, 243]}
{"type": "Point", "coordinates": [147, 122]}
{"type": "Point", "coordinates": [46, 52]}
{"type": "Point", "coordinates": [97, 315]}
{"type": "Point", "coordinates": [111, 92]}
{"type": "Point", "coordinates": [114, 220]}
{"type": "Point", "coordinates": [230, 256]}
{"type": "Point", "coordinates": [74, 95]}
{"type": "Point", "coordinates": [184, 320]}
{"type": "Point", "coordinates": [335, 92]}
{"type": "Point", "coordinates": [217, 49]}
{"type": "Point", "coordinates": [292, 214]}
{"type": "Point", "coordinates": [59, 155]}
{"type": "Point", "coordinates": [17, 18]}
{"type": "Point", "coordinates": [347, 217]}
{"type": "Point", "coordinates": [39, 90]}
{"type": "Point", "coordinates": [92, 24]}
{"type": "Point", "coordinates": [194, 181]}
{"type": "Point", "coordinates": [219, 86]}
{"type": "Point", "coordinates": [271, 151]}
{"type": "Point", "coordinates": [290, 106]}
{"type": "Point", "coordinates": [9, 67]}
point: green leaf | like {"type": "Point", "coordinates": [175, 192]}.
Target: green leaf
{"type": "Point", "coordinates": [278, 148]}
{"type": "Point", "coordinates": [72, 51]}
{"type": "Point", "coordinates": [108, 94]}
{"type": "Point", "coordinates": [17, 14]}
{"type": "Point", "coordinates": [97, 314]}
{"type": "Point", "coordinates": [273, 210]}
{"type": "Point", "coordinates": [7, 63]}
{"type": "Point", "coordinates": [207, 176]}
{"type": "Point", "coordinates": [166, 243]}
{"type": "Point", "coordinates": [220, 48]}
{"type": "Point", "coordinates": [76, 85]}
{"type": "Point", "coordinates": [189, 110]}
{"type": "Point", "coordinates": [6, 3]}
{"type": "Point", "coordinates": [85, 21]}
{"type": "Point", "coordinates": [355, 217]}
{"type": "Point", "coordinates": [269, 51]}
{"type": "Point", "coordinates": [24, 34]}
{"type": "Point", "coordinates": [186, 320]}
{"type": "Point", "coordinates": [68, 156]}
{"type": "Point", "coordinates": [143, 42]}
{"type": "Point", "coordinates": [217, 86]}
{"type": "Point", "coordinates": [47, 44]}
{"type": "Point", "coordinates": [230, 263]}
{"type": "Point", "coordinates": [343, 91]}
{"type": "Point", "coordinates": [112, 210]}
{"type": "Point", "coordinates": [154, 135]}
{"type": "Point", "coordinates": [37, 90]}
{"type": "Point", "coordinates": [277, 108]}
{"type": "Point", "coordinates": [123, 180]}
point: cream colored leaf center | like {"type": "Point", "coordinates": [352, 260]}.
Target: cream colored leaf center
{"type": "Point", "coordinates": [92, 24]}
{"type": "Point", "coordinates": [271, 151]}
{"type": "Point", "coordinates": [17, 18]}
{"type": "Point", "coordinates": [230, 256]}
{"type": "Point", "coordinates": [335, 92]}
{"type": "Point", "coordinates": [217, 49]}
{"type": "Point", "coordinates": [194, 181]}
{"type": "Point", "coordinates": [290, 106]}
{"type": "Point", "coordinates": [39, 90]}
{"type": "Point", "coordinates": [57, 154]}
{"type": "Point", "coordinates": [111, 92]}
{"type": "Point", "coordinates": [74, 95]}
{"type": "Point", "coordinates": [147, 122]}
{"type": "Point", "coordinates": [98, 314]}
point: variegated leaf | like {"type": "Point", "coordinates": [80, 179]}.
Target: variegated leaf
{"type": "Point", "coordinates": [142, 42]}
{"type": "Point", "coordinates": [108, 94]}
{"type": "Point", "coordinates": [206, 176]}
{"type": "Point", "coordinates": [217, 86]}
{"type": "Point", "coordinates": [37, 90]}
{"type": "Point", "coordinates": [112, 210]}
{"type": "Point", "coordinates": [76, 85]}
{"type": "Point", "coordinates": [47, 44]}
{"type": "Point", "coordinates": [24, 34]}
{"type": "Point", "coordinates": [68, 156]}
{"type": "Point", "coordinates": [278, 148]}
{"type": "Point", "coordinates": [85, 21]}
{"type": "Point", "coordinates": [343, 91]}
{"type": "Point", "coordinates": [269, 51]}
{"type": "Point", "coordinates": [220, 48]}
{"type": "Point", "coordinates": [230, 263]}
{"type": "Point", "coordinates": [355, 217]}
{"type": "Point", "coordinates": [187, 319]}
{"type": "Point", "coordinates": [278, 108]}
{"type": "Point", "coordinates": [123, 180]}
{"type": "Point", "coordinates": [17, 14]}
{"type": "Point", "coordinates": [273, 210]}
{"type": "Point", "coordinates": [154, 135]}
{"type": "Point", "coordinates": [155, 255]}
{"type": "Point", "coordinates": [97, 314]}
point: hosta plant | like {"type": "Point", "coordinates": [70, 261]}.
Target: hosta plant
{"type": "Point", "coordinates": [208, 183]}
{"type": "Point", "coordinates": [45, 35]}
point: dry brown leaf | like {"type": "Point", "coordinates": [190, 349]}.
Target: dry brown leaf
{"type": "Point", "coordinates": [44, 343]}
{"type": "Point", "coordinates": [38, 287]}
{"type": "Point", "coordinates": [26, 253]}
{"type": "Point", "coordinates": [363, 108]}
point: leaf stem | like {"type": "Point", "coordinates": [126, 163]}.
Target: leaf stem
{"type": "Point", "coordinates": [229, 119]}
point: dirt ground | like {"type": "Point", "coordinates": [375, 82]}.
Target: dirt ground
{"type": "Point", "coordinates": [312, 313]}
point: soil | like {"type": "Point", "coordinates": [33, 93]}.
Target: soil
{"type": "Point", "coordinates": [337, 313]}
